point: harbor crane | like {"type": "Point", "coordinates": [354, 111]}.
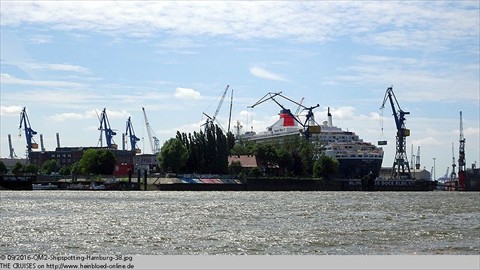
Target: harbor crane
{"type": "Point", "coordinates": [10, 147]}
{"type": "Point", "coordinates": [131, 135]}
{"type": "Point", "coordinates": [309, 125]}
{"type": "Point", "coordinates": [462, 167]}
{"type": "Point", "coordinates": [211, 119]}
{"type": "Point", "coordinates": [230, 112]}
{"type": "Point", "coordinates": [417, 159]}
{"type": "Point", "coordinates": [42, 146]}
{"type": "Point", "coordinates": [154, 141]}
{"type": "Point", "coordinates": [400, 168]}
{"type": "Point", "coordinates": [105, 127]}
{"type": "Point", "coordinates": [453, 175]}
{"type": "Point", "coordinates": [29, 132]}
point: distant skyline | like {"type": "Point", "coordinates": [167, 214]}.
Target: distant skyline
{"type": "Point", "coordinates": [67, 60]}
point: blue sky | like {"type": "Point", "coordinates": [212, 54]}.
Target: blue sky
{"type": "Point", "coordinates": [66, 61]}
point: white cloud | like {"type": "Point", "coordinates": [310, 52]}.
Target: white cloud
{"type": "Point", "coordinates": [423, 24]}
{"type": "Point", "coordinates": [187, 93]}
{"type": "Point", "coordinates": [345, 112]}
{"type": "Point", "coordinates": [178, 43]}
{"type": "Point", "coordinates": [56, 98]}
{"type": "Point", "coordinates": [427, 141]}
{"type": "Point", "coordinates": [75, 116]}
{"type": "Point", "coordinates": [55, 67]}
{"type": "Point", "coordinates": [10, 110]}
{"type": "Point", "coordinates": [40, 39]}
{"type": "Point", "coordinates": [90, 114]}
{"type": "Point", "coordinates": [187, 128]}
{"type": "Point", "coordinates": [265, 74]}
{"type": "Point", "coordinates": [116, 114]}
{"type": "Point", "coordinates": [417, 79]}
{"type": "Point", "coordinates": [8, 79]}
{"type": "Point", "coordinates": [68, 116]}
{"type": "Point", "coordinates": [245, 113]}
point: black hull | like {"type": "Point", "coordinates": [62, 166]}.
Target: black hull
{"type": "Point", "coordinates": [261, 184]}
{"type": "Point", "coordinates": [369, 184]}
{"type": "Point", "coordinates": [305, 185]}
{"type": "Point", "coordinates": [357, 168]}
{"type": "Point", "coordinates": [17, 182]}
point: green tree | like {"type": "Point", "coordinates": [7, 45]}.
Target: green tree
{"type": "Point", "coordinates": [239, 149]}
{"type": "Point", "coordinates": [235, 167]}
{"type": "Point", "coordinates": [173, 156]}
{"type": "Point", "coordinates": [97, 161]}
{"type": "Point", "coordinates": [76, 168]}
{"type": "Point", "coordinates": [255, 172]}
{"type": "Point", "coordinates": [31, 168]}
{"type": "Point", "coordinates": [267, 153]}
{"type": "Point", "coordinates": [222, 151]}
{"type": "Point", "coordinates": [284, 159]}
{"type": "Point", "coordinates": [298, 167]}
{"type": "Point", "coordinates": [325, 167]}
{"type": "Point", "coordinates": [50, 166]}
{"type": "Point", "coordinates": [207, 152]}
{"type": "Point", "coordinates": [65, 170]}
{"type": "Point", "coordinates": [17, 168]}
{"type": "Point", "coordinates": [106, 162]}
{"type": "Point", "coordinates": [3, 168]}
{"type": "Point", "coordinates": [230, 141]}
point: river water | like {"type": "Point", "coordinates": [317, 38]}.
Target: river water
{"type": "Point", "coordinates": [234, 223]}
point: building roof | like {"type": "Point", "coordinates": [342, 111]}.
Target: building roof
{"type": "Point", "coordinates": [247, 161]}
{"type": "Point", "coordinates": [10, 162]}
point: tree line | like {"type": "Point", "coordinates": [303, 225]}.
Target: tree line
{"type": "Point", "coordinates": [200, 152]}
{"type": "Point", "coordinates": [93, 161]}
{"type": "Point", "coordinates": [207, 152]}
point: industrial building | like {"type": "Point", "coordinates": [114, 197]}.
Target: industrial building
{"type": "Point", "coordinates": [126, 159]}
{"type": "Point", "coordinates": [67, 156]}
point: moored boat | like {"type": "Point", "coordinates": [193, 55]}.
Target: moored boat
{"type": "Point", "coordinates": [356, 158]}
{"type": "Point", "coordinates": [44, 186]}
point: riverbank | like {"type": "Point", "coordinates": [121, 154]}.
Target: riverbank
{"type": "Point", "coordinates": [193, 183]}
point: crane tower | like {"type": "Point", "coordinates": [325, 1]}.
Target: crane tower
{"type": "Point", "coordinates": [453, 175]}
{"type": "Point", "coordinates": [105, 127]}
{"type": "Point", "coordinates": [461, 157]}
{"type": "Point", "coordinates": [29, 132]}
{"type": "Point", "coordinates": [10, 147]}
{"type": "Point", "coordinates": [211, 119]}
{"type": "Point", "coordinates": [131, 135]}
{"type": "Point", "coordinates": [309, 125]}
{"type": "Point", "coordinates": [400, 167]}
{"type": "Point", "coordinates": [154, 141]}
{"type": "Point", "coordinates": [417, 159]}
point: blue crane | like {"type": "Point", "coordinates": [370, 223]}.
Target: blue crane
{"type": "Point", "coordinates": [131, 135]}
{"type": "Point", "coordinates": [29, 132]}
{"type": "Point", "coordinates": [400, 167]}
{"type": "Point", "coordinates": [109, 133]}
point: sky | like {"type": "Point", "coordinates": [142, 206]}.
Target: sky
{"type": "Point", "coordinates": [65, 61]}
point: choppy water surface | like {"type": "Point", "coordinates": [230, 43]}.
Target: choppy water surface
{"type": "Point", "coordinates": [255, 223]}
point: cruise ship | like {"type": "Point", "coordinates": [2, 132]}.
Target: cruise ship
{"type": "Point", "coordinates": [356, 158]}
